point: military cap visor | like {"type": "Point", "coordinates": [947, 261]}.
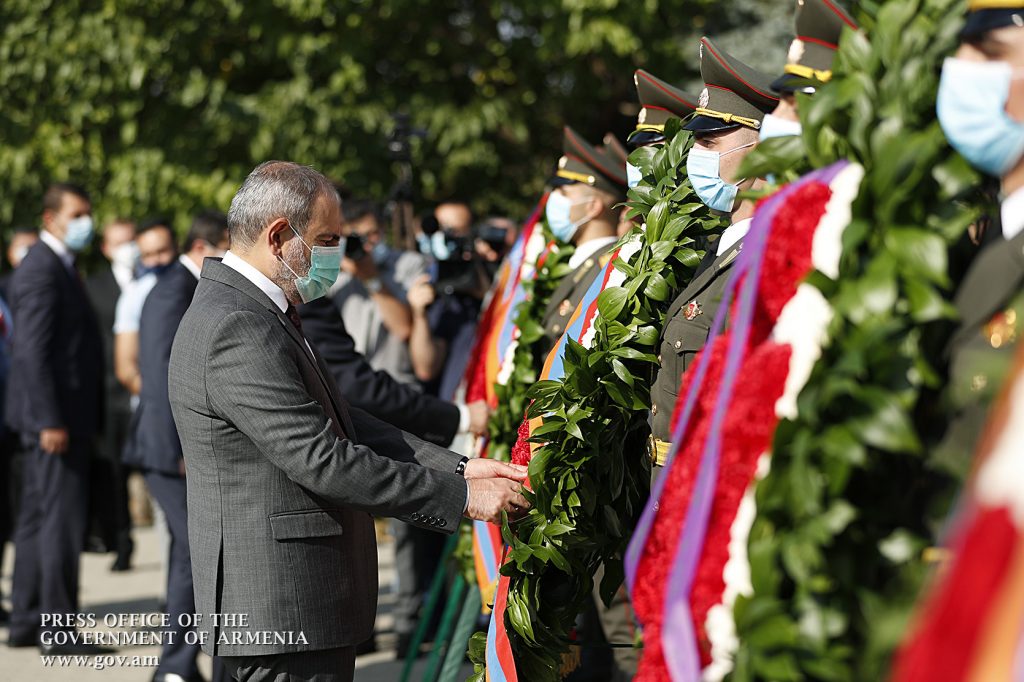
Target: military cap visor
{"type": "Point", "coordinates": [819, 25]}
{"type": "Point", "coordinates": [642, 138]}
{"type": "Point", "coordinates": [734, 93]}
{"type": "Point", "coordinates": [707, 124]}
{"type": "Point", "coordinates": [981, 21]}
{"type": "Point", "coordinates": [585, 164]}
{"type": "Point", "coordinates": [660, 102]}
{"type": "Point", "coordinates": [789, 83]}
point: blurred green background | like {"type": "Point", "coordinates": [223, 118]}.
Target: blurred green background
{"type": "Point", "coordinates": [162, 107]}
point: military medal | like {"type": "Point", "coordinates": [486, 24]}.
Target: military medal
{"type": "Point", "coordinates": [693, 309]}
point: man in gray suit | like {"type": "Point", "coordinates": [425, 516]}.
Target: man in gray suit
{"type": "Point", "coordinates": [282, 474]}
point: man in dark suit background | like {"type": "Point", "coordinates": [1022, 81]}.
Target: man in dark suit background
{"type": "Point", "coordinates": [375, 391]}
{"type": "Point", "coordinates": [57, 365]}
{"type": "Point", "coordinates": [282, 475]}
{"type": "Point", "coordinates": [110, 479]}
{"type": "Point", "coordinates": [157, 451]}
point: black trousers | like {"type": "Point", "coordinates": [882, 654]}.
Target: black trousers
{"type": "Point", "coordinates": [49, 536]}
{"type": "Point", "coordinates": [177, 656]}
{"type": "Point", "coordinates": [329, 665]}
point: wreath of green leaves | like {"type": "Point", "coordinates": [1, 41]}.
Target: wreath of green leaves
{"type": "Point", "coordinates": [853, 497]}
{"type": "Point", "coordinates": [591, 474]}
{"type": "Point", "coordinates": [528, 358]}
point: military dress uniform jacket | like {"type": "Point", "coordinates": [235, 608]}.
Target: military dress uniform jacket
{"type": "Point", "coordinates": [569, 293]}
{"type": "Point", "coordinates": [990, 302]}
{"type": "Point", "coordinates": [686, 331]}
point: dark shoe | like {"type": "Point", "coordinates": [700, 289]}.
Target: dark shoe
{"type": "Point", "coordinates": [175, 677]}
{"type": "Point", "coordinates": [4, 616]}
{"type": "Point", "coordinates": [22, 641]}
{"type": "Point", "coordinates": [74, 650]}
{"type": "Point", "coordinates": [125, 547]}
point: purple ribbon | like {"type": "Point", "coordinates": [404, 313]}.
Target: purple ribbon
{"type": "Point", "coordinates": [679, 640]}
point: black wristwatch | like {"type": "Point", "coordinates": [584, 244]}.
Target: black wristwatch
{"type": "Point", "coordinates": [460, 468]}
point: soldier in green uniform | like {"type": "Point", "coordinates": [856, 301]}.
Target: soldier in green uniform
{"type": "Point", "coordinates": [819, 23]}
{"type": "Point", "coordinates": [728, 117]}
{"type": "Point", "coordinates": [588, 184]}
{"type": "Point", "coordinates": [659, 102]}
{"type": "Point", "coordinates": [981, 110]}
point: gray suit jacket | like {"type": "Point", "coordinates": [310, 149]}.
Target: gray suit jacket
{"type": "Point", "coordinates": [283, 477]}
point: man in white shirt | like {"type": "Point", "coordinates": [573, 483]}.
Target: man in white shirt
{"type": "Point", "coordinates": [157, 252]}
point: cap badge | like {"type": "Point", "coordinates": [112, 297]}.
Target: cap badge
{"type": "Point", "coordinates": [796, 51]}
{"type": "Point", "coordinates": [693, 309]}
{"type": "Point", "coordinates": [562, 161]}
{"type": "Point", "coordinates": [702, 101]}
{"type": "Point", "coordinates": [642, 118]}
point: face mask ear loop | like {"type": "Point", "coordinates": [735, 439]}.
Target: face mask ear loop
{"type": "Point", "coordinates": [734, 149]}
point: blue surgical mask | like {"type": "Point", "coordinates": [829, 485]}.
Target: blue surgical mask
{"type": "Point", "coordinates": [324, 265]}
{"type": "Point", "coordinates": [557, 212]}
{"type": "Point", "coordinates": [79, 233]}
{"type": "Point", "coordinates": [143, 270]}
{"type": "Point", "coordinates": [971, 107]}
{"type": "Point", "coordinates": [379, 253]}
{"type": "Point", "coordinates": [703, 169]}
{"type": "Point", "coordinates": [776, 126]}
{"type": "Point", "coordinates": [633, 175]}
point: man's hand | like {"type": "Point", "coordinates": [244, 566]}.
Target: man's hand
{"type": "Point", "coordinates": [479, 414]}
{"type": "Point", "coordinates": [488, 468]}
{"type": "Point", "coordinates": [488, 497]}
{"type": "Point", "coordinates": [362, 269]}
{"type": "Point", "coordinates": [55, 441]}
{"type": "Point", "coordinates": [421, 294]}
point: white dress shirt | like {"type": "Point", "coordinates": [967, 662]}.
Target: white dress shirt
{"type": "Point", "coordinates": [188, 263]}
{"type": "Point", "coordinates": [733, 234]}
{"type": "Point", "coordinates": [588, 249]}
{"type": "Point", "coordinates": [1011, 212]}
{"type": "Point", "coordinates": [262, 282]}
{"type": "Point", "coordinates": [59, 248]}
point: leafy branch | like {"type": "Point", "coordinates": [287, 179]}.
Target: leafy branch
{"type": "Point", "coordinates": [591, 473]}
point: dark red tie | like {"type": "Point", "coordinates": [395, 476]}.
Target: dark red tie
{"type": "Point", "coordinates": [296, 321]}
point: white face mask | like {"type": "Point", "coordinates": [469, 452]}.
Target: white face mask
{"type": "Point", "coordinates": [126, 255]}
{"type": "Point", "coordinates": [776, 126]}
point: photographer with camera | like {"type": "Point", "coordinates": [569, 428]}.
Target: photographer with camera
{"type": "Point", "coordinates": [371, 291]}
{"type": "Point", "coordinates": [446, 304]}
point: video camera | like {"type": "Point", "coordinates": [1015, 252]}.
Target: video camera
{"type": "Point", "coordinates": [456, 268]}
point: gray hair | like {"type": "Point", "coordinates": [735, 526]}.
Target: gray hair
{"type": "Point", "coordinates": [275, 189]}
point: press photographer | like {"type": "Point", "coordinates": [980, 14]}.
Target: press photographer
{"type": "Point", "coordinates": [371, 291]}
{"type": "Point", "coordinates": [446, 304]}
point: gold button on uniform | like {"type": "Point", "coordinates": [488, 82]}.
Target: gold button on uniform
{"type": "Point", "coordinates": [678, 344]}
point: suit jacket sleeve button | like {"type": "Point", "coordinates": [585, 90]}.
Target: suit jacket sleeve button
{"type": "Point", "coordinates": [444, 523]}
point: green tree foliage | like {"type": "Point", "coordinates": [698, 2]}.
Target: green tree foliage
{"type": "Point", "coordinates": [164, 106]}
